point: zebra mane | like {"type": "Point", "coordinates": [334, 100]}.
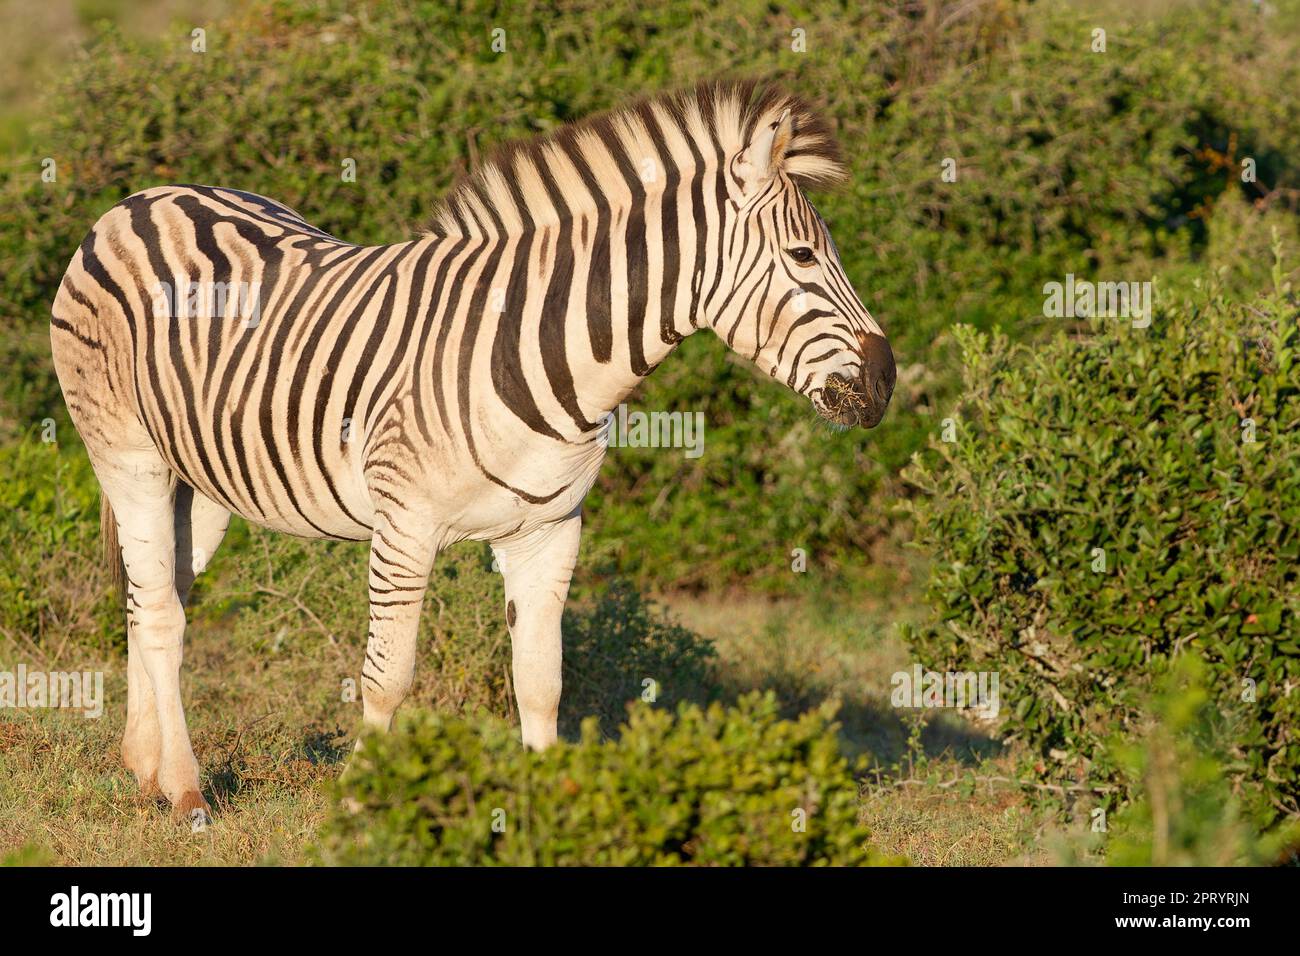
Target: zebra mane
{"type": "Point", "coordinates": [511, 190]}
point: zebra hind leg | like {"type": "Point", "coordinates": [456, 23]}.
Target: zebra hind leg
{"type": "Point", "coordinates": [200, 525]}
{"type": "Point", "coordinates": [142, 491]}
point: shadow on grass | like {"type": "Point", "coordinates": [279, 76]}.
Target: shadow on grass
{"type": "Point", "coordinates": [806, 655]}
{"type": "Point", "coordinates": [874, 728]}
{"type": "Point", "coordinates": [311, 758]}
{"type": "Point", "coordinates": [869, 727]}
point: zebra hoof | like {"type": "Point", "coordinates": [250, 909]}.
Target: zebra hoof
{"type": "Point", "coordinates": [191, 808]}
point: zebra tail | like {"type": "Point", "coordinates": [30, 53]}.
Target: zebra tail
{"type": "Point", "coordinates": [112, 549]}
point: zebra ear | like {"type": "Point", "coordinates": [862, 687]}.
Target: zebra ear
{"type": "Point", "coordinates": [759, 161]}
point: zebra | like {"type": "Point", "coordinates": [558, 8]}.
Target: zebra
{"type": "Point", "coordinates": [451, 387]}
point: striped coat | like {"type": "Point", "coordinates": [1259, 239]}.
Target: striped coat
{"type": "Point", "coordinates": [219, 355]}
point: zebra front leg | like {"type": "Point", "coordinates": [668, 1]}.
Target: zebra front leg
{"type": "Point", "coordinates": [537, 567]}
{"type": "Point", "coordinates": [399, 573]}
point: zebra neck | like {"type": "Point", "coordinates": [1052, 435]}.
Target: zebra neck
{"type": "Point", "coordinates": [587, 309]}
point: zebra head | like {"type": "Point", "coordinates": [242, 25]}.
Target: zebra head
{"type": "Point", "coordinates": [790, 308]}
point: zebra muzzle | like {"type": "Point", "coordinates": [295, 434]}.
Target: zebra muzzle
{"type": "Point", "coordinates": [862, 401]}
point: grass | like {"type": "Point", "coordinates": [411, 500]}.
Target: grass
{"type": "Point", "coordinates": [813, 649]}
{"type": "Point", "coordinates": [64, 791]}
{"type": "Point", "coordinates": [934, 825]}
{"type": "Point", "coordinates": [270, 727]}
{"type": "Point", "coordinates": [830, 646]}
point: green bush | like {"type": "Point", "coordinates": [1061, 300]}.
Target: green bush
{"type": "Point", "coordinates": [716, 787]}
{"type": "Point", "coordinates": [1067, 160]}
{"type": "Point", "coordinates": [1186, 813]}
{"type": "Point", "coordinates": [1103, 509]}
{"type": "Point", "coordinates": [54, 581]}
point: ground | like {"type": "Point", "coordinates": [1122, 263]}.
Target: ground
{"type": "Point", "coordinates": [940, 796]}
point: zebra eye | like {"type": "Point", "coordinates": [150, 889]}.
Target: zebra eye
{"type": "Point", "coordinates": [802, 255]}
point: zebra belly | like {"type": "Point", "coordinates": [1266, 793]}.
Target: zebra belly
{"type": "Point", "coordinates": [305, 508]}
